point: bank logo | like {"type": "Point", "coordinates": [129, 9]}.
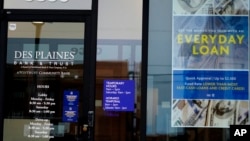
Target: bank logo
{"type": "Point", "coordinates": [241, 132]}
{"type": "Point", "coordinates": [64, 1]}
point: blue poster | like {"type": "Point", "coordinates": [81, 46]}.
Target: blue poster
{"type": "Point", "coordinates": [70, 98]}
{"type": "Point", "coordinates": [70, 105]}
{"type": "Point", "coordinates": [119, 95]}
{"type": "Point", "coordinates": [210, 68]}
{"type": "Point", "coordinates": [70, 113]}
{"type": "Point", "coordinates": [210, 42]}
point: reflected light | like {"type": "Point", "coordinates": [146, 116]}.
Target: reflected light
{"type": "Point", "coordinates": [38, 23]}
{"type": "Point", "coordinates": [76, 76]}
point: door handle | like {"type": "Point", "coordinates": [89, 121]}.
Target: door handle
{"type": "Point", "coordinates": [90, 121]}
{"type": "Point", "coordinates": [90, 118]}
{"type": "Point", "coordinates": [84, 127]}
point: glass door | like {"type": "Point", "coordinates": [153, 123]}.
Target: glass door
{"type": "Point", "coordinates": [44, 82]}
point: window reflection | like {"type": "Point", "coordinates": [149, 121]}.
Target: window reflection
{"type": "Point", "coordinates": [117, 60]}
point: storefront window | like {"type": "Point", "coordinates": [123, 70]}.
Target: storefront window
{"type": "Point", "coordinates": [201, 87]}
{"type": "Point", "coordinates": [117, 115]}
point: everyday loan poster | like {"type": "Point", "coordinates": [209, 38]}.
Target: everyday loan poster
{"type": "Point", "coordinates": [210, 63]}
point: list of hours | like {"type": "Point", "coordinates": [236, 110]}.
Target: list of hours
{"type": "Point", "coordinates": [41, 107]}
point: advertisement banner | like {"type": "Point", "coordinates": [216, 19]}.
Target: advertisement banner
{"type": "Point", "coordinates": [210, 63]}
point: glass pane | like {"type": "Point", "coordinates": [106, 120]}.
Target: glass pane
{"type": "Point", "coordinates": [44, 81]}
{"type": "Point", "coordinates": [118, 90]}
{"type": "Point", "coordinates": [197, 86]}
{"type": "Point", "coordinates": [118, 69]}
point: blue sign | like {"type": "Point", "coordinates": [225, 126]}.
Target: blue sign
{"type": "Point", "coordinates": [119, 95]}
{"type": "Point", "coordinates": [70, 105]}
{"type": "Point", "coordinates": [210, 84]}
{"type": "Point", "coordinates": [70, 113]}
{"type": "Point", "coordinates": [71, 98]}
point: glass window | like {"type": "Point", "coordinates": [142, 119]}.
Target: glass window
{"type": "Point", "coordinates": [198, 67]}
{"type": "Point", "coordinates": [118, 60]}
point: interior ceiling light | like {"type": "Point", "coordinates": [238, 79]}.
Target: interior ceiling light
{"type": "Point", "coordinates": [38, 22]}
{"type": "Point", "coordinates": [64, 0]}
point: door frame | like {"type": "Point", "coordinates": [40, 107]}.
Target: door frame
{"type": "Point", "coordinates": [89, 17]}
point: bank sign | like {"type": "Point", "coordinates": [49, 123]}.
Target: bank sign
{"type": "Point", "coordinates": [70, 105]}
{"type": "Point", "coordinates": [119, 95]}
{"type": "Point", "coordinates": [48, 4]}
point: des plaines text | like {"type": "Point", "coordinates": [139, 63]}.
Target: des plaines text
{"type": "Point", "coordinates": [63, 55]}
{"type": "Point", "coordinates": [51, 57]}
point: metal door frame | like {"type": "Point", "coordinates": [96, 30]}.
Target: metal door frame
{"type": "Point", "coordinates": [89, 17]}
